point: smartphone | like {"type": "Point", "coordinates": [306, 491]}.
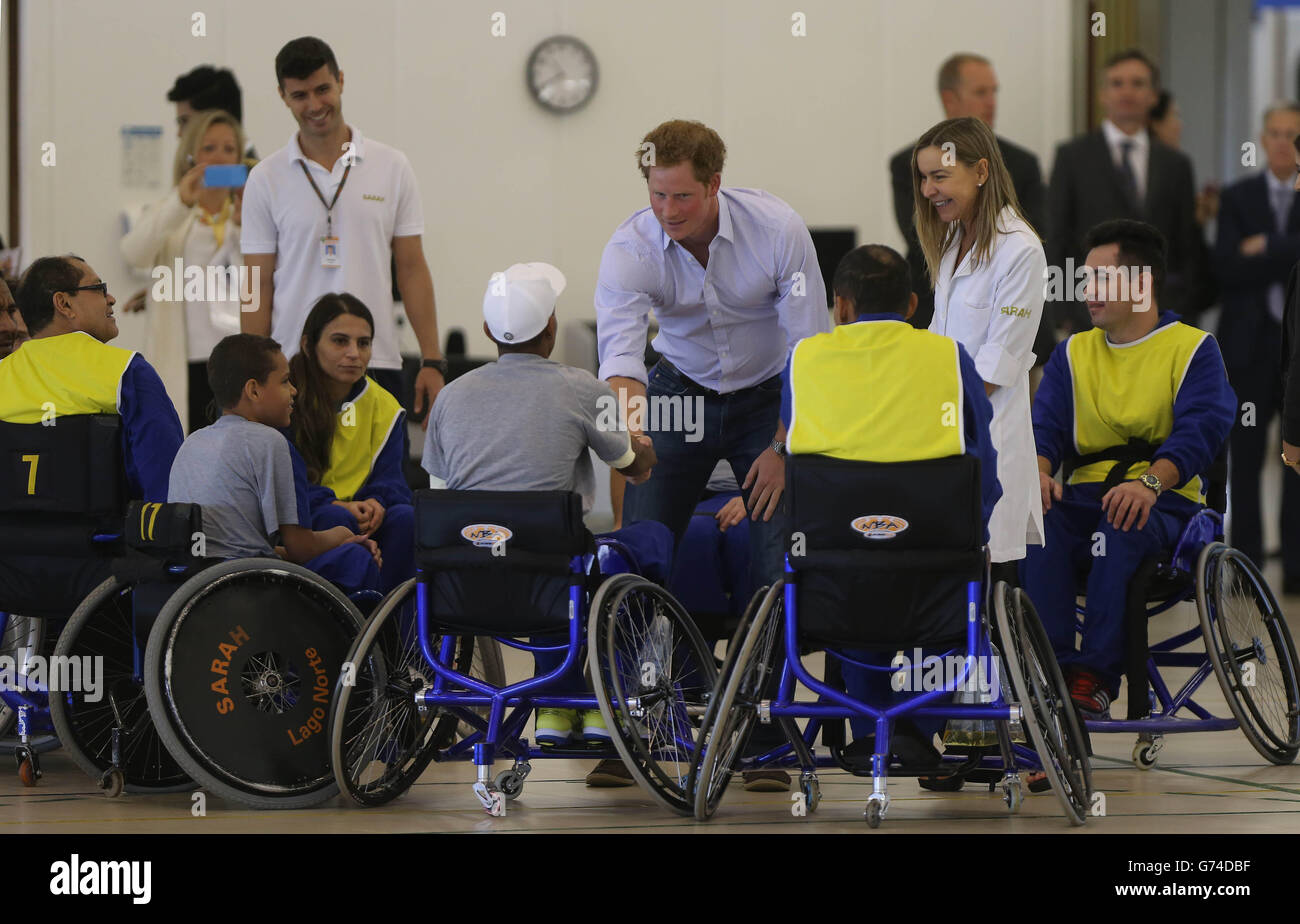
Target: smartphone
{"type": "Point", "coordinates": [225, 175]}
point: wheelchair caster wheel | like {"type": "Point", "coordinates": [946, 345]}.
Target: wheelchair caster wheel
{"type": "Point", "coordinates": [112, 782]}
{"type": "Point", "coordinates": [1013, 794]}
{"type": "Point", "coordinates": [492, 799]}
{"type": "Point", "coordinates": [28, 770]}
{"type": "Point", "coordinates": [875, 814]}
{"type": "Point", "coordinates": [812, 792]}
{"type": "Point", "coordinates": [510, 783]}
{"type": "Point", "coordinates": [1145, 753]}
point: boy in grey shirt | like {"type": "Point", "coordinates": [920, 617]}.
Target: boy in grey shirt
{"type": "Point", "coordinates": [241, 471]}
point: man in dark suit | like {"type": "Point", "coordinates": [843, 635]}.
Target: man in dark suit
{"type": "Point", "coordinates": [1257, 247]}
{"type": "Point", "coordinates": [967, 87]}
{"type": "Point", "coordinates": [1121, 171]}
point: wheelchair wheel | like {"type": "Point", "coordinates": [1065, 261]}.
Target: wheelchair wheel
{"type": "Point", "coordinates": [380, 741]}
{"type": "Point", "coordinates": [21, 634]}
{"type": "Point", "coordinates": [239, 674]}
{"type": "Point", "coordinates": [1251, 651]}
{"type": "Point", "coordinates": [1040, 690]}
{"type": "Point", "coordinates": [652, 673]}
{"type": "Point", "coordinates": [103, 626]}
{"type": "Point", "coordinates": [733, 709]}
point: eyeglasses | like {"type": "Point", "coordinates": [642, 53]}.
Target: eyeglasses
{"type": "Point", "coordinates": [100, 287]}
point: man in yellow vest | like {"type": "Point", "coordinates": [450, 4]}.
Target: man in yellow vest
{"type": "Point", "coordinates": [68, 368]}
{"type": "Point", "coordinates": [876, 389]}
{"type": "Point", "coordinates": [1135, 410]}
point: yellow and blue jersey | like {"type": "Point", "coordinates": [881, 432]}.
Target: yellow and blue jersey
{"type": "Point", "coordinates": [365, 458]}
{"type": "Point", "coordinates": [1168, 388]}
{"type": "Point", "coordinates": [879, 390]}
{"type": "Point", "coordinates": [52, 377]}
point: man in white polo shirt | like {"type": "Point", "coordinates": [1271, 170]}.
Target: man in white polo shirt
{"type": "Point", "coordinates": [325, 213]}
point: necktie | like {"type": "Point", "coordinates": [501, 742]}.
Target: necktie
{"type": "Point", "coordinates": [1128, 179]}
{"type": "Point", "coordinates": [1281, 206]}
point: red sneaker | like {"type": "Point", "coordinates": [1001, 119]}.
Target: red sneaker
{"type": "Point", "coordinates": [1089, 694]}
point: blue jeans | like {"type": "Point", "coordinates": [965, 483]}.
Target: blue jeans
{"type": "Point", "coordinates": [1048, 573]}
{"type": "Point", "coordinates": [736, 427]}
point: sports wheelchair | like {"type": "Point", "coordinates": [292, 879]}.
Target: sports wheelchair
{"type": "Point", "coordinates": [883, 557]}
{"type": "Point", "coordinates": [514, 566]}
{"type": "Point", "coordinates": [213, 673]}
{"type": "Point", "coordinates": [1246, 644]}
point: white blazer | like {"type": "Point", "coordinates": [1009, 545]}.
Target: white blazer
{"type": "Point", "coordinates": [994, 312]}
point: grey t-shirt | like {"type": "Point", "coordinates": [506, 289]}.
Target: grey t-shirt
{"type": "Point", "coordinates": [525, 423]}
{"type": "Point", "coordinates": [242, 475]}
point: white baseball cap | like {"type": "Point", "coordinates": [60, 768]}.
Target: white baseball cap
{"type": "Point", "coordinates": [521, 300]}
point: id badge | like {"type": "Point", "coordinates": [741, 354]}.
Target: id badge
{"type": "Point", "coordinates": [331, 255]}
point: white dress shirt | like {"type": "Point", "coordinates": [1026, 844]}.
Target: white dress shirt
{"type": "Point", "coordinates": [994, 311]}
{"type": "Point", "coordinates": [1139, 157]}
{"type": "Point", "coordinates": [727, 326]}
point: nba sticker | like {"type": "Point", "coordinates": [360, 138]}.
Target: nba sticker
{"type": "Point", "coordinates": [879, 526]}
{"type": "Point", "coordinates": [486, 535]}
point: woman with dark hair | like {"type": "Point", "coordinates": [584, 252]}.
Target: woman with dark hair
{"type": "Point", "coordinates": [987, 264]}
{"type": "Point", "coordinates": [349, 432]}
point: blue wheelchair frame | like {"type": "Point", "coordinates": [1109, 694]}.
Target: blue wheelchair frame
{"type": "Point", "coordinates": [459, 694]}
{"type": "Point", "coordinates": [1205, 526]}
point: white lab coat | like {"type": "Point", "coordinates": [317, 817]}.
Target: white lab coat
{"type": "Point", "coordinates": [994, 312]}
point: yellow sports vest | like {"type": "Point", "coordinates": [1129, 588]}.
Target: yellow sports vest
{"type": "Point", "coordinates": [1127, 391]}
{"type": "Point", "coordinates": [876, 391]}
{"type": "Point", "coordinates": [360, 432]}
{"type": "Point", "coordinates": [58, 376]}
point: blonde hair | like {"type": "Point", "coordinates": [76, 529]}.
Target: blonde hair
{"type": "Point", "coordinates": [188, 149]}
{"type": "Point", "coordinates": [972, 141]}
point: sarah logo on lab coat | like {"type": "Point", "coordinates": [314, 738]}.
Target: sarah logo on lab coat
{"type": "Point", "coordinates": [879, 525]}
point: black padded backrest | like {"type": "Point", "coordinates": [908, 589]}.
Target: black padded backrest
{"type": "Point", "coordinates": [61, 485]}
{"type": "Point", "coordinates": [528, 528]}
{"type": "Point", "coordinates": [883, 551]}
{"type": "Point", "coordinates": [71, 467]}
{"type": "Point", "coordinates": [498, 562]}
{"type": "Point", "coordinates": [931, 506]}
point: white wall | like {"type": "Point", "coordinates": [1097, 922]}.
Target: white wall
{"type": "Point", "coordinates": [811, 119]}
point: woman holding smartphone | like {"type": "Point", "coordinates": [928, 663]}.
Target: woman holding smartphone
{"type": "Point", "coordinates": [199, 225]}
{"type": "Point", "coordinates": [987, 263]}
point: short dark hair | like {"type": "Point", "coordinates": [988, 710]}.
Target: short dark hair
{"type": "Point", "coordinates": [303, 57]}
{"type": "Point", "coordinates": [234, 361]}
{"type": "Point", "coordinates": [207, 87]}
{"type": "Point", "coordinates": [1140, 245]}
{"type": "Point", "coordinates": [875, 278]}
{"type": "Point", "coordinates": [1161, 109]}
{"type": "Point", "coordinates": [1135, 54]}
{"type": "Point", "coordinates": [35, 292]}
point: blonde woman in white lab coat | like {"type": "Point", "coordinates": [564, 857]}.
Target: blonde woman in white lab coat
{"type": "Point", "coordinates": [987, 263]}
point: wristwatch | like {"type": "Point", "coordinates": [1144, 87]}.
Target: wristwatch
{"type": "Point", "coordinates": [777, 447]}
{"type": "Point", "coordinates": [439, 364]}
{"type": "Point", "coordinates": [1152, 482]}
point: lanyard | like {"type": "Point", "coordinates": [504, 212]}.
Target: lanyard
{"type": "Point", "coordinates": [329, 207]}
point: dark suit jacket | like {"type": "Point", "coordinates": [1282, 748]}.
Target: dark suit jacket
{"type": "Point", "coordinates": [1245, 336]}
{"type": "Point", "coordinates": [1086, 190]}
{"type": "Point", "coordinates": [1025, 177]}
{"type": "Point", "coordinates": [1291, 361]}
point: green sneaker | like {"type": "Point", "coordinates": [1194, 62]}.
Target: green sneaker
{"type": "Point", "coordinates": [593, 727]}
{"type": "Point", "coordinates": [555, 726]}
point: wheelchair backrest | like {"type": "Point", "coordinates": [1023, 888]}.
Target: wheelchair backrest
{"type": "Point", "coordinates": [499, 561]}
{"type": "Point", "coordinates": [164, 543]}
{"type": "Point", "coordinates": [60, 484]}
{"type": "Point", "coordinates": [883, 551]}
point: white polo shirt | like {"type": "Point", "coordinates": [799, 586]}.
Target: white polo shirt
{"type": "Point", "coordinates": [283, 216]}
